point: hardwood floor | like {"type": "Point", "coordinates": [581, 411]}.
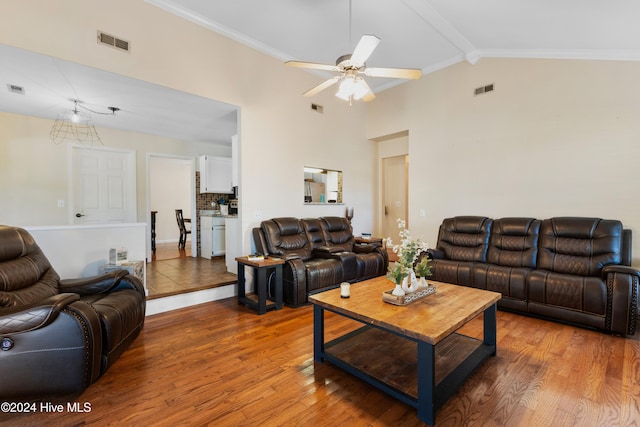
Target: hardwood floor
{"type": "Point", "coordinates": [221, 364]}
{"type": "Point", "coordinates": [172, 272]}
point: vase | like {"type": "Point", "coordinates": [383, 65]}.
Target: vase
{"type": "Point", "coordinates": [423, 283]}
{"type": "Point", "coordinates": [410, 283]}
{"type": "Point", "coordinates": [398, 291]}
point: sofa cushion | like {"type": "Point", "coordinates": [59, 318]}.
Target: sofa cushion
{"type": "Point", "coordinates": [370, 265]}
{"type": "Point", "coordinates": [580, 246]}
{"type": "Point", "coordinates": [581, 293]}
{"type": "Point", "coordinates": [322, 274]}
{"type": "Point", "coordinates": [514, 242]}
{"type": "Point", "coordinates": [465, 238]}
{"type": "Point", "coordinates": [458, 272]}
{"type": "Point", "coordinates": [338, 232]}
{"type": "Point", "coordinates": [511, 282]}
{"type": "Point", "coordinates": [313, 230]}
{"type": "Point", "coordinates": [286, 238]}
{"type": "Point", "coordinates": [26, 276]}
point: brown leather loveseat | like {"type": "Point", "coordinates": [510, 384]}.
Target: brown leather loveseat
{"type": "Point", "coordinates": [569, 269]}
{"type": "Point", "coordinates": [59, 336]}
{"type": "Point", "coordinates": [319, 254]}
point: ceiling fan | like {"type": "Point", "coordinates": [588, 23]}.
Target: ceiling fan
{"type": "Point", "coordinates": [351, 68]}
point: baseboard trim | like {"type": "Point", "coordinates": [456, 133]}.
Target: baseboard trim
{"type": "Point", "coordinates": [174, 302]}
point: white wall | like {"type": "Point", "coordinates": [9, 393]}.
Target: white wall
{"type": "Point", "coordinates": [555, 138]}
{"type": "Point", "coordinates": [170, 190]}
{"type": "Point", "coordinates": [279, 133]}
{"type": "Point", "coordinates": [34, 170]}
{"type": "Point", "coordinates": [77, 251]}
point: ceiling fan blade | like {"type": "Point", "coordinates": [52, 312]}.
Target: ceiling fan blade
{"type": "Point", "coordinates": [322, 86]}
{"type": "Point", "coordinates": [369, 97]}
{"type": "Point", "coordinates": [313, 65]}
{"type": "Point", "coordinates": [364, 49]}
{"type": "Point", "coordinates": [396, 73]}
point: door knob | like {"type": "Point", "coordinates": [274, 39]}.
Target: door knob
{"type": "Point", "coordinates": [78, 215]}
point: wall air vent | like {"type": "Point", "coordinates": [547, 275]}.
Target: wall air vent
{"type": "Point", "coordinates": [15, 89]}
{"type": "Point", "coordinates": [316, 107]}
{"type": "Point", "coordinates": [113, 41]}
{"type": "Point", "coordinates": [483, 89]}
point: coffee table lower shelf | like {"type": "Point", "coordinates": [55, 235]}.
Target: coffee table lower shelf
{"type": "Point", "coordinates": [415, 372]}
{"type": "Point", "coordinates": [390, 362]}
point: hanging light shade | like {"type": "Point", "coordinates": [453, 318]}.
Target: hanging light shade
{"type": "Point", "coordinates": [74, 125]}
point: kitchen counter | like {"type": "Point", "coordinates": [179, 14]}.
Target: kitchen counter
{"type": "Point", "coordinates": [215, 214]}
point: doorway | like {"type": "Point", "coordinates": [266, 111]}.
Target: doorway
{"type": "Point", "coordinates": [171, 184]}
{"type": "Point", "coordinates": [393, 182]}
{"type": "Point", "coordinates": [394, 193]}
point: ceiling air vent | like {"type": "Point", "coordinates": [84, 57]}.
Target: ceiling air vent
{"type": "Point", "coordinates": [113, 41]}
{"type": "Point", "coordinates": [15, 89]}
{"type": "Point", "coordinates": [318, 108]}
{"type": "Point", "coordinates": [483, 89]}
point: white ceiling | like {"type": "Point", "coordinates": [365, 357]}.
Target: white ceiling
{"type": "Point", "coordinates": [50, 83]}
{"type": "Point", "coordinates": [424, 34]}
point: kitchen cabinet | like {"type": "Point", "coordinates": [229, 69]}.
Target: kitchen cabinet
{"type": "Point", "coordinates": [215, 175]}
{"type": "Point", "coordinates": [212, 236]}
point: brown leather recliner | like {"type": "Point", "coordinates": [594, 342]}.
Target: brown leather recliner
{"type": "Point", "coordinates": [372, 259]}
{"type": "Point", "coordinates": [319, 254]}
{"type": "Point", "coordinates": [59, 336]}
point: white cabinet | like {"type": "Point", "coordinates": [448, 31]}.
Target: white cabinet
{"type": "Point", "coordinates": [215, 175]}
{"type": "Point", "coordinates": [212, 236]}
{"type": "Point", "coordinates": [218, 246]}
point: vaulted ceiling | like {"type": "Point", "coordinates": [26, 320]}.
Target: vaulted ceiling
{"type": "Point", "coordinates": [424, 34]}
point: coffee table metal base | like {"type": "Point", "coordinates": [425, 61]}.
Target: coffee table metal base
{"type": "Point", "coordinates": [423, 375]}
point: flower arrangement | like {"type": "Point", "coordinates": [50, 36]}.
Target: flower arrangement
{"type": "Point", "coordinates": [423, 269]}
{"type": "Point", "coordinates": [408, 251]}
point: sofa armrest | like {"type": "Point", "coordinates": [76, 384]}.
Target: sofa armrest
{"type": "Point", "coordinates": [24, 319]}
{"type": "Point", "coordinates": [294, 281]}
{"type": "Point", "coordinates": [622, 298]}
{"type": "Point", "coordinates": [323, 251]}
{"type": "Point", "coordinates": [365, 248]}
{"type": "Point", "coordinates": [435, 254]}
{"type": "Point", "coordinates": [623, 269]}
{"type": "Point", "coordinates": [102, 284]}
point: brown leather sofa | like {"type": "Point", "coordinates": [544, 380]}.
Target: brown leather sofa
{"type": "Point", "coordinates": [568, 269]}
{"type": "Point", "coordinates": [59, 336]}
{"type": "Point", "coordinates": [319, 254]}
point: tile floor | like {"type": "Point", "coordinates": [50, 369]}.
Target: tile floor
{"type": "Point", "coordinates": [172, 272]}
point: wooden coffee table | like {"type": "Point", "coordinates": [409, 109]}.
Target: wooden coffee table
{"type": "Point", "coordinates": [412, 352]}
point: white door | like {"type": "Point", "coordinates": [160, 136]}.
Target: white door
{"type": "Point", "coordinates": [394, 194]}
{"type": "Point", "coordinates": [103, 185]}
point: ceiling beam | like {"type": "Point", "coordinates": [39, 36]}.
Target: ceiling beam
{"type": "Point", "coordinates": [428, 14]}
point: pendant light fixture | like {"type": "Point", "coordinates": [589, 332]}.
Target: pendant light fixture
{"type": "Point", "coordinates": [76, 125]}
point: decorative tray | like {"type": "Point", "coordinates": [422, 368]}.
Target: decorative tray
{"type": "Point", "coordinates": [405, 299]}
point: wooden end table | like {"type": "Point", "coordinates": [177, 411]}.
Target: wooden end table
{"type": "Point", "coordinates": [258, 300]}
{"type": "Point", "coordinates": [412, 352]}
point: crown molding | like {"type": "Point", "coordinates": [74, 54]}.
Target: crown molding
{"type": "Point", "coordinates": [592, 54]}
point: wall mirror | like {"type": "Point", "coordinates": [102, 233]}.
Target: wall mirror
{"type": "Point", "coordinates": [322, 186]}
